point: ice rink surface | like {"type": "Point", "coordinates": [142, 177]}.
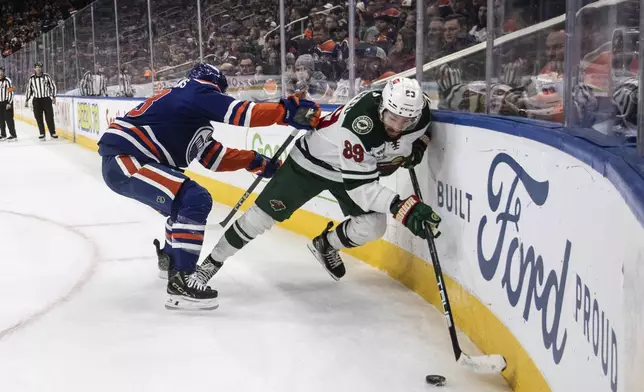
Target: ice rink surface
{"type": "Point", "coordinates": [83, 309]}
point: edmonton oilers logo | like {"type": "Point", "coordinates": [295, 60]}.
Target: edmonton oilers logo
{"type": "Point", "coordinates": [198, 142]}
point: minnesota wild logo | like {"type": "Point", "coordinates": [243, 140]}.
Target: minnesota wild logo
{"type": "Point", "coordinates": [362, 125]}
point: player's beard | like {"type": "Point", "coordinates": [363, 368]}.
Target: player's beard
{"type": "Point", "coordinates": [392, 134]}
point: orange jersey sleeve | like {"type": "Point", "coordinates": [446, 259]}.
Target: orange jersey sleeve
{"type": "Point", "coordinates": [250, 114]}
{"type": "Point", "coordinates": [219, 158]}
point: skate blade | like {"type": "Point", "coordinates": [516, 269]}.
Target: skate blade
{"type": "Point", "coordinates": [178, 302]}
{"type": "Point", "coordinates": [318, 257]}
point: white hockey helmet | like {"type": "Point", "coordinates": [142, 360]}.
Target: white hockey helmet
{"type": "Point", "coordinates": [402, 103]}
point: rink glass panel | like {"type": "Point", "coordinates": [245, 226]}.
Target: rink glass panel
{"type": "Point", "coordinates": [570, 72]}
{"type": "Point", "coordinates": [134, 44]}
{"type": "Point", "coordinates": [604, 49]}
{"type": "Point", "coordinates": [70, 59]}
{"type": "Point", "coordinates": [57, 50]}
{"type": "Point", "coordinates": [244, 42]}
{"type": "Point", "coordinates": [458, 84]}
{"type": "Point", "coordinates": [105, 37]}
{"type": "Point", "coordinates": [175, 40]}
{"type": "Point", "coordinates": [84, 42]}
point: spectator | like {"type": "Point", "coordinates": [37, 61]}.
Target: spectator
{"type": "Point", "coordinates": [385, 27]}
{"type": "Point", "coordinates": [330, 23]}
{"type": "Point", "coordinates": [324, 44]}
{"type": "Point", "coordinates": [272, 66]}
{"type": "Point", "coordinates": [455, 36]}
{"type": "Point", "coordinates": [246, 65]}
{"type": "Point", "coordinates": [309, 80]}
{"type": "Point", "coordinates": [27, 19]}
{"type": "Point", "coordinates": [555, 52]}
{"type": "Point", "coordinates": [402, 55]}
{"type": "Point", "coordinates": [479, 31]}
{"type": "Point", "coordinates": [434, 43]}
{"type": "Point", "coordinates": [410, 22]}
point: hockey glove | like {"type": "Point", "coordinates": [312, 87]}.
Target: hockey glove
{"type": "Point", "coordinates": [418, 148]}
{"type": "Point", "coordinates": [262, 166]}
{"type": "Point", "coordinates": [512, 73]}
{"type": "Point", "coordinates": [414, 214]}
{"type": "Point", "coordinates": [301, 113]}
{"type": "Point", "coordinates": [448, 77]}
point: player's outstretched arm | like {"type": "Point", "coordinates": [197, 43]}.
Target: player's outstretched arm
{"type": "Point", "coordinates": [218, 158]}
{"type": "Point", "coordinates": [294, 111]}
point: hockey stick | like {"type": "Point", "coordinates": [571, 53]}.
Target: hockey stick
{"type": "Point", "coordinates": [483, 363]}
{"type": "Point", "coordinates": [252, 187]}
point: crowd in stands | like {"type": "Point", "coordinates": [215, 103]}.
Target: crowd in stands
{"type": "Point", "coordinates": [22, 21]}
{"type": "Point", "coordinates": [242, 38]}
{"type": "Point", "coordinates": [245, 41]}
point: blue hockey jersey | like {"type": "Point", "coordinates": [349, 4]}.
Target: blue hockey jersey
{"type": "Point", "coordinates": [174, 127]}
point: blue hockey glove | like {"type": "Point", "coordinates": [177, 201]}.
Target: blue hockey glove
{"type": "Point", "coordinates": [262, 166]}
{"type": "Point", "coordinates": [301, 113]}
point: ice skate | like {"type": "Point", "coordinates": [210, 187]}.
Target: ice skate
{"type": "Point", "coordinates": [12, 139]}
{"type": "Point", "coordinates": [208, 269]}
{"type": "Point", "coordinates": [187, 293]}
{"type": "Point", "coordinates": [164, 260]}
{"type": "Point", "coordinates": [328, 256]}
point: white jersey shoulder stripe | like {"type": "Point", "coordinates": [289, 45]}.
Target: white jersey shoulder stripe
{"type": "Point", "coordinates": [229, 112]}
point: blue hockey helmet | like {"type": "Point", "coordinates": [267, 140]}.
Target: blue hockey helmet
{"type": "Point", "coordinates": [209, 73]}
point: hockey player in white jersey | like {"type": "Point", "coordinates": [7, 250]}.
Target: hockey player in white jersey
{"type": "Point", "coordinates": [372, 136]}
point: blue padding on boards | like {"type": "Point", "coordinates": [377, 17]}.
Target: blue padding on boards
{"type": "Point", "coordinates": [616, 161]}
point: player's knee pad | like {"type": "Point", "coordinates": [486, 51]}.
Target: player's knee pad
{"type": "Point", "coordinates": [192, 204]}
{"type": "Point", "coordinates": [255, 222]}
{"type": "Point", "coordinates": [358, 230]}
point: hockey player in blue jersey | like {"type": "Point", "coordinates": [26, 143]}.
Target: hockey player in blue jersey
{"type": "Point", "coordinates": [144, 151]}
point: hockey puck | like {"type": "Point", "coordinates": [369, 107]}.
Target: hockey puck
{"type": "Point", "coordinates": [435, 380]}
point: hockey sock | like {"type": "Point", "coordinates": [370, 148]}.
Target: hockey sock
{"type": "Point", "coordinates": [168, 235]}
{"type": "Point", "coordinates": [253, 223]}
{"type": "Point", "coordinates": [338, 237]}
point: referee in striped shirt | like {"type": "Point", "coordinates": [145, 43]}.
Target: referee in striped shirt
{"type": "Point", "coordinates": [6, 107]}
{"type": "Point", "coordinates": [125, 83]}
{"type": "Point", "coordinates": [94, 84]}
{"type": "Point", "coordinates": [43, 89]}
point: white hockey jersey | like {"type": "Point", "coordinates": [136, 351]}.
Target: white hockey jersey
{"type": "Point", "coordinates": [351, 146]}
